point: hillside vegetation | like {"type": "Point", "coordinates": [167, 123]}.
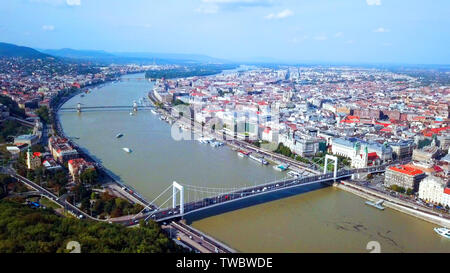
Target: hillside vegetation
{"type": "Point", "coordinates": [27, 230]}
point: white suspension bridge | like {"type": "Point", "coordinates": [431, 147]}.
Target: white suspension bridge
{"type": "Point", "coordinates": [182, 200]}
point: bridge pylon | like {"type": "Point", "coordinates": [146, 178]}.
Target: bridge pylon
{"type": "Point", "coordinates": [135, 106]}
{"type": "Point", "coordinates": [325, 166]}
{"type": "Point", "coordinates": [175, 188]}
{"type": "Point", "coordinates": [79, 107]}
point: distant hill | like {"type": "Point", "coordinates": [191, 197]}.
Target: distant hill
{"type": "Point", "coordinates": [131, 57]}
{"type": "Point", "coordinates": [78, 54]}
{"type": "Point", "coordinates": [197, 58]}
{"type": "Point", "coordinates": [11, 50]}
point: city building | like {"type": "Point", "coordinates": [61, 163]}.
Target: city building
{"type": "Point", "coordinates": [33, 159]}
{"type": "Point", "coordinates": [425, 154]}
{"type": "Point", "coordinates": [364, 159]}
{"type": "Point", "coordinates": [435, 190]}
{"type": "Point", "coordinates": [30, 140]}
{"type": "Point", "coordinates": [77, 167]}
{"type": "Point", "coordinates": [61, 150]}
{"type": "Point", "coordinates": [402, 150]}
{"type": "Point", "coordinates": [304, 146]}
{"type": "Point", "coordinates": [346, 147]}
{"type": "Point", "coordinates": [405, 176]}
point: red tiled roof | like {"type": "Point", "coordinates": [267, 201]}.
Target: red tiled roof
{"type": "Point", "coordinates": [408, 170]}
{"type": "Point", "coordinates": [372, 156]}
{"type": "Point", "coordinates": [447, 191]}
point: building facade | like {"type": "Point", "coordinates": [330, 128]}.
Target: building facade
{"type": "Point", "coordinates": [435, 190]}
{"type": "Point", "coordinates": [404, 176]}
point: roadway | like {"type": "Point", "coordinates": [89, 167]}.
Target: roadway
{"type": "Point", "coordinates": [195, 206]}
{"type": "Point", "coordinates": [195, 239]}
{"type": "Point", "coordinates": [52, 197]}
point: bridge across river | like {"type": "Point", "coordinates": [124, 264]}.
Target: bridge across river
{"type": "Point", "coordinates": [182, 209]}
{"type": "Point", "coordinates": [106, 108]}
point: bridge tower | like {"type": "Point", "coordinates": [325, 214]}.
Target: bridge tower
{"type": "Point", "coordinates": [177, 187]}
{"type": "Point", "coordinates": [325, 167]}
{"type": "Point", "coordinates": [135, 106]}
{"type": "Point", "coordinates": [79, 107]}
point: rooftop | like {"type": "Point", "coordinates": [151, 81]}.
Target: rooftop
{"type": "Point", "coordinates": [408, 170]}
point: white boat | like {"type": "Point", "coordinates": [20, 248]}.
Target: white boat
{"type": "Point", "coordinates": [293, 174]}
{"type": "Point", "coordinates": [281, 167]}
{"type": "Point", "coordinates": [128, 150]}
{"type": "Point", "coordinates": [259, 159]}
{"type": "Point", "coordinates": [203, 140]}
{"type": "Point", "coordinates": [153, 111]}
{"type": "Point", "coordinates": [444, 232]}
{"type": "Point", "coordinates": [242, 153]}
{"type": "Point", "coordinates": [215, 143]}
{"type": "Point", "coordinates": [376, 204]}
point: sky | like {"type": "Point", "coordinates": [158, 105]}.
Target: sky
{"type": "Point", "coordinates": [349, 31]}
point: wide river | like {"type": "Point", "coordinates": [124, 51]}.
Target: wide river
{"type": "Point", "coordinates": [319, 219]}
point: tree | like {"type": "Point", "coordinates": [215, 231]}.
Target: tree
{"type": "Point", "coordinates": [409, 191]}
{"type": "Point", "coordinates": [43, 114]}
{"type": "Point", "coordinates": [26, 230]}
{"type": "Point", "coordinates": [89, 176]}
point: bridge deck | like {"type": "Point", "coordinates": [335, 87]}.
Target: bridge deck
{"type": "Point", "coordinates": [241, 194]}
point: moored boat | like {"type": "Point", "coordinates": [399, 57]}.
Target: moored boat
{"type": "Point", "coordinates": [281, 167]}
{"type": "Point", "coordinates": [242, 153]}
{"type": "Point", "coordinates": [259, 159]}
{"type": "Point", "coordinates": [376, 205]}
{"type": "Point", "coordinates": [293, 174]}
{"type": "Point", "coordinates": [128, 150]}
{"type": "Point", "coordinates": [444, 232]}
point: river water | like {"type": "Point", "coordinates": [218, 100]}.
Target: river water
{"type": "Point", "coordinates": [319, 219]}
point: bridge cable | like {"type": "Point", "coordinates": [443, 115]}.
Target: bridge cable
{"type": "Point", "coordinates": [152, 202]}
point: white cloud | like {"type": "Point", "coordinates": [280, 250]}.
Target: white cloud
{"type": "Point", "coordinates": [297, 40]}
{"type": "Point", "coordinates": [229, 1]}
{"type": "Point", "coordinates": [373, 2]}
{"type": "Point", "coordinates": [208, 9]}
{"type": "Point", "coordinates": [214, 6]}
{"type": "Point", "coordinates": [320, 38]}
{"type": "Point", "coordinates": [381, 30]}
{"type": "Point", "coordinates": [73, 2]}
{"type": "Point", "coordinates": [280, 15]}
{"type": "Point", "coordinates": [338, 34]}
{"type": "Point", "coordinates": [48, 27]}
{"type": "Point", "coordinates": [58, 2]}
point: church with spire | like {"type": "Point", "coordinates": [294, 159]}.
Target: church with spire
{"type": "Point", "coordinates": [364, 159]}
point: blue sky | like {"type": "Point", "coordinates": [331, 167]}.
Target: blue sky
{"type": "Point", "coordinates": [373, 31]}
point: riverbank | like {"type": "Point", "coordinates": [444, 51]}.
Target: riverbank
{"type": "Point", "coordinates": [317, 221]}
{"type": "Point", "coordinates": [230, 141]}
{"type": "Point", "coordinates": [393, 203]}
{"type": "Point", "coordinates": [362, 192]}
{"type": "Point", "coordinates": [108, 180]}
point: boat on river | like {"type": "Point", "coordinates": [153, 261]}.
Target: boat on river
{"type": "Point", "coordinates": [377, 205]}
{"type": "Point", "coordinates": [259, 159]}
{"type": "Point", "coordinates": [128, 150]}
{"type": "Point", "coordinates": [293, 174]}
{"type": "Point", "coordinates": [281, 167]}
{"type": "Point", "coordinates": [444, 232]}
{"type": "Point", "coordinates": [119, 135]}
{"type": "Point", "coordinates": [242, 153]}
